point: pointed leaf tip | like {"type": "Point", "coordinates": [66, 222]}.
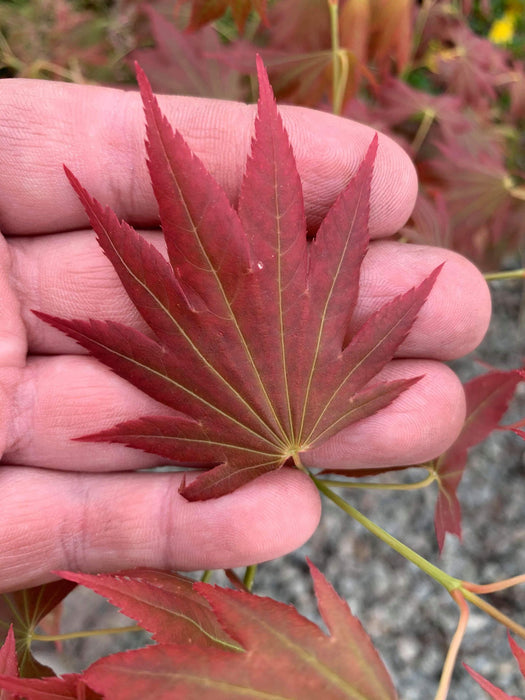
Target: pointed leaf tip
{"type": "Point", "coordinates": [8, 660]}
{"type": "Point", "coordinates": [146, 91]}
{"type": "Point", "coordinates": [142, 78]}
{"type": "Point", "coordinates": [265, 89]}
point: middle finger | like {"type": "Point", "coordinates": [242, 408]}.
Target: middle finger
{"type": "Point", "coordinates": [67, 275]}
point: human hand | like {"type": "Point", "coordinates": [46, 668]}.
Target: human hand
{"type": "Point", "coordinates": [75, 505]}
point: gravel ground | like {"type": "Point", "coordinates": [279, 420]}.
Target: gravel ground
{"type": "Point", "coordinates": [408, 616]}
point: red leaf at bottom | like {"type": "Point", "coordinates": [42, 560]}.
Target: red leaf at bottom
{"type": "Point", "coordinates": [69, 686]}
{"type": "Point", "coordinates": [285, 656]}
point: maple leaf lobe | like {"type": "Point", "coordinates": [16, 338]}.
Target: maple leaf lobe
{"type": "Point", "coordinates": [249, 345]}
{"type": "Point", "coordinates": [254, 646]}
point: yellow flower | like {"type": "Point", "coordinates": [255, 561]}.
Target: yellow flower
{"type": "Point", "coordinates": [502, 29]}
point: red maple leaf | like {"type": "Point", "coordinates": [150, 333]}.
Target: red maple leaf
{"type": "Point", "coordinates": [162, 602]}
{"type": "Point", "coordinates": [252, 350]}
{"type": "Point", "coordinates": [483, 198]}
{"type": "Point", "coordinates": [8, 662]}
{"type": "Point", "coordinates": [69, 686]}
{"type": "Point", "coordinates": [205, 11]}
{"type": "Point", "coordinates": [492, 690]}
{"type": "Point", "coordinates": [24, 610]}
{"type": "Point", "coordinates": [469, 66]}
{"type": "Point", "coordinates": [280, 653]}
{"type": "Point", "coordinates": [488, 397]}
{"type": "Point", "coordinates": [399, 102]}
{"type": "Point", "coordinates": [185, 64]}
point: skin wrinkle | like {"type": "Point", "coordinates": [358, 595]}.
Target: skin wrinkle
{"type": "Point", "coordinates": [170, 525]}
{"type": "Point", "coordinates": [59, 283]}
{"type": "Point", "coordinates": [18, 425]}
{"type": "Point", "coordinates": [124, 142]}
{"type": "Point", "coordinates": [22, 517]}
{"type": "Point", "coordinates": [56, 400]}
{"type": "Point", "coordinates": [13, 342]}
{"type": "Point", "coordinates": [73, 531]}
{"type": "Point", "coordinates": [93, 528]}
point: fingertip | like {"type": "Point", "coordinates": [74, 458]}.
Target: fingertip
{"type": "Point", "coordinates": [265, 519]}
{"type": "Point", "coordinates": [418, 426]}
{"type": "Point", "coordinates": [396, 187]}
{"type": "Point", "coordinates": [454, 318]}
{"type": "Point", "coordinates": [288, 515]}
{"type": "Point", "coordinates": [329, 150]}
{"type": "Point", "coordinates": [456, 315]}
{"type": "Point", "coordinates": [464, 289]}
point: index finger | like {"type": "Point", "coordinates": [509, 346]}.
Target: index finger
{"type": "Point", "coordinates": [99, 133]}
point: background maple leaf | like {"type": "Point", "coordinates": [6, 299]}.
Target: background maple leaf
{"type": "Point", "coordinates": [488, 397]}
{"type": "Point", "coordinates": [204, 11]}
{"type": "Point", "coordinates": [22, 611]}
{"type": "Point", "coordinates": [184, 63]}
{"type": "Point", "coordinates": [492, 690]}
{"type": "Point", "coordinates": [8, 662]}
{"type": "Point", "coordinates": [283, 654]}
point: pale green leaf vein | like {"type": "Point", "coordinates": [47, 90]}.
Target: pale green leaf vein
{"type": "Point", "coordinates": [186, 389]}
{"type": "Point", "coordinates": [311, 659]}
{"type": "Point", "coordinates": [233, 319]}
{"type": "Point", "coordinates": [324, 314]}
{"type": "Point", "coordinates": [357, 366]}
{"type": "Point", "coordinates": [186, 337]}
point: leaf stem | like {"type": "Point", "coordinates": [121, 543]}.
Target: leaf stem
{"type": "Point", "coordinates": [419, 27]}
{"type": "Point", "coordinates": [426, 122]}
{"type": "Point", "coordinates": [493, 587]}
{"type": "Point", "coordinates": [340, 68]}
{"type": "Point", "coordinates": [35, 637]}
{"type": "Point", "coordinates": [235, 581]}
{"type": "Point", "coordinates": [380, 487]}
{"type": "Point", "coordinates": [453, 649]}
{"type": "Point", "coordinates": [494, 612]}
{"type": "Point", "coordinates": [505, 275]}
{"type": "Point", "coordinates": [460, 591]}
{"type": "Point", "coordinates": [206, 576]}
{"type": "Point", "coordinates": [249, 576]}
{"type": "Point", "coordinates": [447, 581]}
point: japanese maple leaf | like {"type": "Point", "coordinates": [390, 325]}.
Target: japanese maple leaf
{"type": "Point", "coordinates": [8, 662]}
{"type": "Point", "coordinates": [488, 397]}
{"type": "Point", "coordinates": [251, 348]}
{"type": "Point", "coordinates": [204, 11]}
{"type": "Point", "coordinates": [22, 611]}
{"type": "Point", "coordinates": [69, 686]}
{"type": "Point", "coordinates": [492, 690]}
{"type": "Point", "coordinates": [280, 654]}
{"type": "Point", "coordinates": [162, 602]}
{"type": "Point", "coordinates": [182, 63]}
{"type": "Point", "coordinates": [399, 102]}
{"type": "Point", "coordinates": [473, 68]}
